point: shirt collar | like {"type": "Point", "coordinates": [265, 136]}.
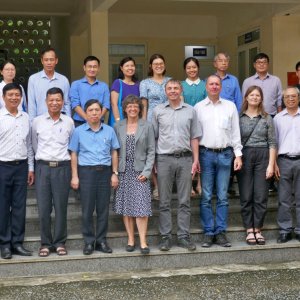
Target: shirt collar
{"type": "Point", "coordinates": [256, 76]}
{"type": "Point", "coordinates": [44, 75]}
{"type": "Point", "coordinates": [47, 115]}
{"type": "Point", "coordinates": [87, 127]}
{"type": "Point", "coordinates": [226, 76]}
{"type": "Point", "coordinates": [190, 82]}
{"type": "Point", "coordinates": [182, 104]}
{"type": "Point", "coordinates": [285, 112]}
{"type": "Point", "coordinates": [208, 101]}
{"type": "Point", "coordinates": [84, 79]}
{"type": "Point", "coordinates": [4, 112]}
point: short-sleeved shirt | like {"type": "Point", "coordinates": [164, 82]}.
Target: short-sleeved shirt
{"type": "Point", "coordinates": [127, 89]}
{"type": "Point", "coordinates": [94, 147]}
{"type": "Point", "coordinates": [81, 91]}
{"type": "Point", "coordinates": [154, 92]}
{"type": "Point", "coordinates": [175, 128]}
{"type": "Point", "coordinates": [193, 91]}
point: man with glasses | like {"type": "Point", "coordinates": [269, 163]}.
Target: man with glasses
{"type": "Point", "coordinates": [287, 168]}
{"type": "Point", "coordinates": [270, 84]}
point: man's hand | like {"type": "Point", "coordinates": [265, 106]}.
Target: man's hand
{"type": "Point", "coordinates": [195, 168]}
{"type": "Point", "coordinates": [30, 178]}
{"type": "Point", "coordinates": [75, 183]}
{"type": "Point", "coordinates": [114, 181]}
{"type": "Point", "coordinates": [237, 164]}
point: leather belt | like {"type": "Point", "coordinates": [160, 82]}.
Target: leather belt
{"type": "Point", "coordinates": [217, 150]}
{"type": "Point", "coordinates": [178, 154]}
{"type": "Point", "coordinates": [96, 167]}
{"type": "Point", "coordinates": [54, 164]}
{"type": "Point", "coordinates": [13, 162]}
{"type": "Point", "coordinates": [291, 157]}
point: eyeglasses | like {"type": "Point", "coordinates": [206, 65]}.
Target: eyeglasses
{"type": "Point", "coordinates": [295, 96]}
{"type": "Point", "coordinates": [261, 62]}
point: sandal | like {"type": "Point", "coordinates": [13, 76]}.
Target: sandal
{"type": "Point", "coordinates": [250, 239]}
{"type": "Point", "coordinates": [44, 252]}
{"type": "Point", "coordinates": [259, 238]}
{"type": "Point", "coordinates": [61, 250]}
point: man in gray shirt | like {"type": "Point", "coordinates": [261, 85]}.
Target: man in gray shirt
{"type": "Point", "coordinates": [51, 133]}
{"type": "Point", "coordinates": [287, 169]}
{"type": "Point", "coordinates": [177, 132]}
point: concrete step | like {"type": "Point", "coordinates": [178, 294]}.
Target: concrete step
{"type": "Point", "coordinates": [122, 261]}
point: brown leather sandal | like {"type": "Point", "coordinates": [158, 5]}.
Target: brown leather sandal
{"type": "Point", "coordinates": [61, 250]}
{"type": "Point", "coordinates": [250, 239]}
{"type": "Point", "coordinates": [260, 240]}
{"type": "Point", "coordinates": [44, 252]}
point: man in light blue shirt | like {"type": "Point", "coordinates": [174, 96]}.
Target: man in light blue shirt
{"type": "Point", "coordinates": [89, 87]}
{"type": "Point", "coordinates": [39, 83]}
{"type": "Point", "coordinates": [230, 85]}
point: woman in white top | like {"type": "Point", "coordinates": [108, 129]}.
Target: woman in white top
{"type": "Point", "coordinates": [8, 72]}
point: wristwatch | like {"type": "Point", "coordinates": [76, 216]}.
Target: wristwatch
{"type": "Point", "coordinates": [116, 173]}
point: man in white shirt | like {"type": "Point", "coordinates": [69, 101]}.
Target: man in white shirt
{"type": "Point", "coordinates": [220, 141]}
{"type": "Point", "coordinates": [16, 170]}
{"type": "Point", "coordinates": [51, 133]}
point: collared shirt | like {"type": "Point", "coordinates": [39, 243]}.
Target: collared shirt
{"type": "Point", "coordinates": [81, 91]}
{"type": "Point", "coordinates": [220, 125]}
{"type": "Point", "coordinates": [287, 132]}
{"type": "Point", "coordinates": [50, 139]}
{"type": "Point", "coordinates": [94, 147]}
{"type": "Point", "coordinates": [38, 85]}
{"type": "Point", "coordinates": [15, 138]}
{"type": "Point", "coordinates": [23, 103]}
{"type": "Point", "coordinates": [272, 90]}
{"type": "Point", "coordinates": [231, 90]}
{"type": "Point", "coordinates": [175, 128]}
{"type": "Point", "coordinates": [263, 134]}
{"type": "Point", "coordinates": [193, 91]}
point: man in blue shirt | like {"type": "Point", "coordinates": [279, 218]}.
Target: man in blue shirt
{"type": "Point", "coordinates": [230, 85]}
{"type": "Point", "coordinates": [39, 83]}
{"type": "Point", "coordinates": [94, 162]}
{"type": "Point", "coordinates": [89, 87]}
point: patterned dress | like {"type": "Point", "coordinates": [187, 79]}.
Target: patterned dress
{"type": "Point", "coordinates": [133, 197]}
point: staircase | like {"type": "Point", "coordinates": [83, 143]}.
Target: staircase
{"type": "Point", "coordinates": [120, 260]}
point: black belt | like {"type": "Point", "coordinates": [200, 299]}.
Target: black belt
{"type": "Point", "coordinates": [13, 162]}
{"type": "Point", "coordinates": [96, 167]}
{"type": "Point", "coordinates": [54, 164]}
{"type": "Point", "coordinates": [292, 157]}
{"type": "Point", "coordinates": [178, 154]}
{"type": "Point", "coordinates": [217, 150]}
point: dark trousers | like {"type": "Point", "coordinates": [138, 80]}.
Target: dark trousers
{"type": "Point", "coordinates": [52, 190]}
{"type": "Point", "coordinates": [253, 186]}
{"type": "Point", "coordinates": [13, 193]}
{"type": "Point", "coordinates": [95, 189]}
{"type": "Point", "coordinates": [289, 183]}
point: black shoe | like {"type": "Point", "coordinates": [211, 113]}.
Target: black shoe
{"type": "Point", "coordinates": [207, 241]}
{"type": "Point", "coordinates": [284, 237]}
{"type": "Point", "coordinates": [6, 253]}
{"type": "Point", "coordinates": [221, 240]}
{"type": "Point", "coordinates": [103, 247]}
{"type": "Point", "coordinates": [88, 249]}
{"type": "Point", "coordinates": [297, 237]}
{"type": "Point", "coordinates": [130, 248]}
{"type": "Point", "coordinates": [165, 244]}
{"type": "Point", "coordinates": [186, 243]}
{"type": "Point", "coordinates": [20, 250]}
{"type": "Point", "coordinates": [145, 250]}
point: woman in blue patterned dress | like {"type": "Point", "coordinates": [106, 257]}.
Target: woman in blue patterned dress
{"type": "Point", "coordinates": [136, 158]}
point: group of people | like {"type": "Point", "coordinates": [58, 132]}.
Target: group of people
{"type": "Point", "coordinates": [160, 129]}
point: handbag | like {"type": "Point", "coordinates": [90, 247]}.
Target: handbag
{"type": "Point", "coordinates": [248, 137]}
{"type": "Point", "coordinates": [111, 118]}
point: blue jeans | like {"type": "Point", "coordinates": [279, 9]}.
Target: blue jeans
{"type": "Point", "coordinates": [215, 171]}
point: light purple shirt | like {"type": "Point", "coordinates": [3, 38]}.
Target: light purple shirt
{"type": "Point", "coordinates": [272, 90]}
{"type": "Point", "coordinates": [287, 132]}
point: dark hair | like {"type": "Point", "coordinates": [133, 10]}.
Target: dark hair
{"type": "Point", "coordinates": [91, 102]}
{"type": "Point", "coordinates": [48, 49]}
{"type": "Point", "coordinates": [252, 88]}
{"type": "Point", "coordinates": [152, 58]}
{"type": "Point", "coordinates": [132, 99]}
{"type": "Point", "coordinates": [55, 90]}
{"type": "Point", "coordinates": [122, 63]}
{"type": "Point", "coordinates": [12, 86]}
{"type": "Point", "coordinates": [189, 59]}
{"type": "Point", "coordinates": [91, 58]}
{"type": "Point", "coordinates": [297, 65]}
{"type": "Point", "coordinates": [261, 56]}
{"type": "Point", "coordinates": [5, 63]}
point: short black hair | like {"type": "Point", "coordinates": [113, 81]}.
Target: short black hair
{"type": "Point", "coordinates": [261, 56]}
{"type": "Point", "coordinates": [48, 49]}
{"type": "Point", "coordinates": [297, 65]}
{"type": "Point", "coordinates": [12, 86]}
{"type": "Point", "coordinates": [91, 102]}
{"type": "Point", "coordinates": [55, 90]}
{"type": "Point", "coordinates": [91, 58]}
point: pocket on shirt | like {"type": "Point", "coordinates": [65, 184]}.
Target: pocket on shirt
{"type": "Point", "coordinates": [225, 123]}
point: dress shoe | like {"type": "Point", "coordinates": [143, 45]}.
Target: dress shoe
{"type": "Point", "coordinates": [130, 248]}
{"type": "Point", "coordinates": [221, 240]}
{"type": "Point", "coordinates": [88, 249]}
{"type": "Point", "coordinates": [6, 253]}
{"type": "Point", "coordinates": [103, 247]}
{"type": "Point", "coordinates": [145, 250]}
{"type": "Point", "coordinates": [165, 244]}
{"type": "Point", "coordinates": [20, 250]}
{"type": "Point", "coordinates": [207, 241]}
{"type": "Point", "coordinates": [186, 243]}
{"type": "Point", "coordinates": [284, 237]}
